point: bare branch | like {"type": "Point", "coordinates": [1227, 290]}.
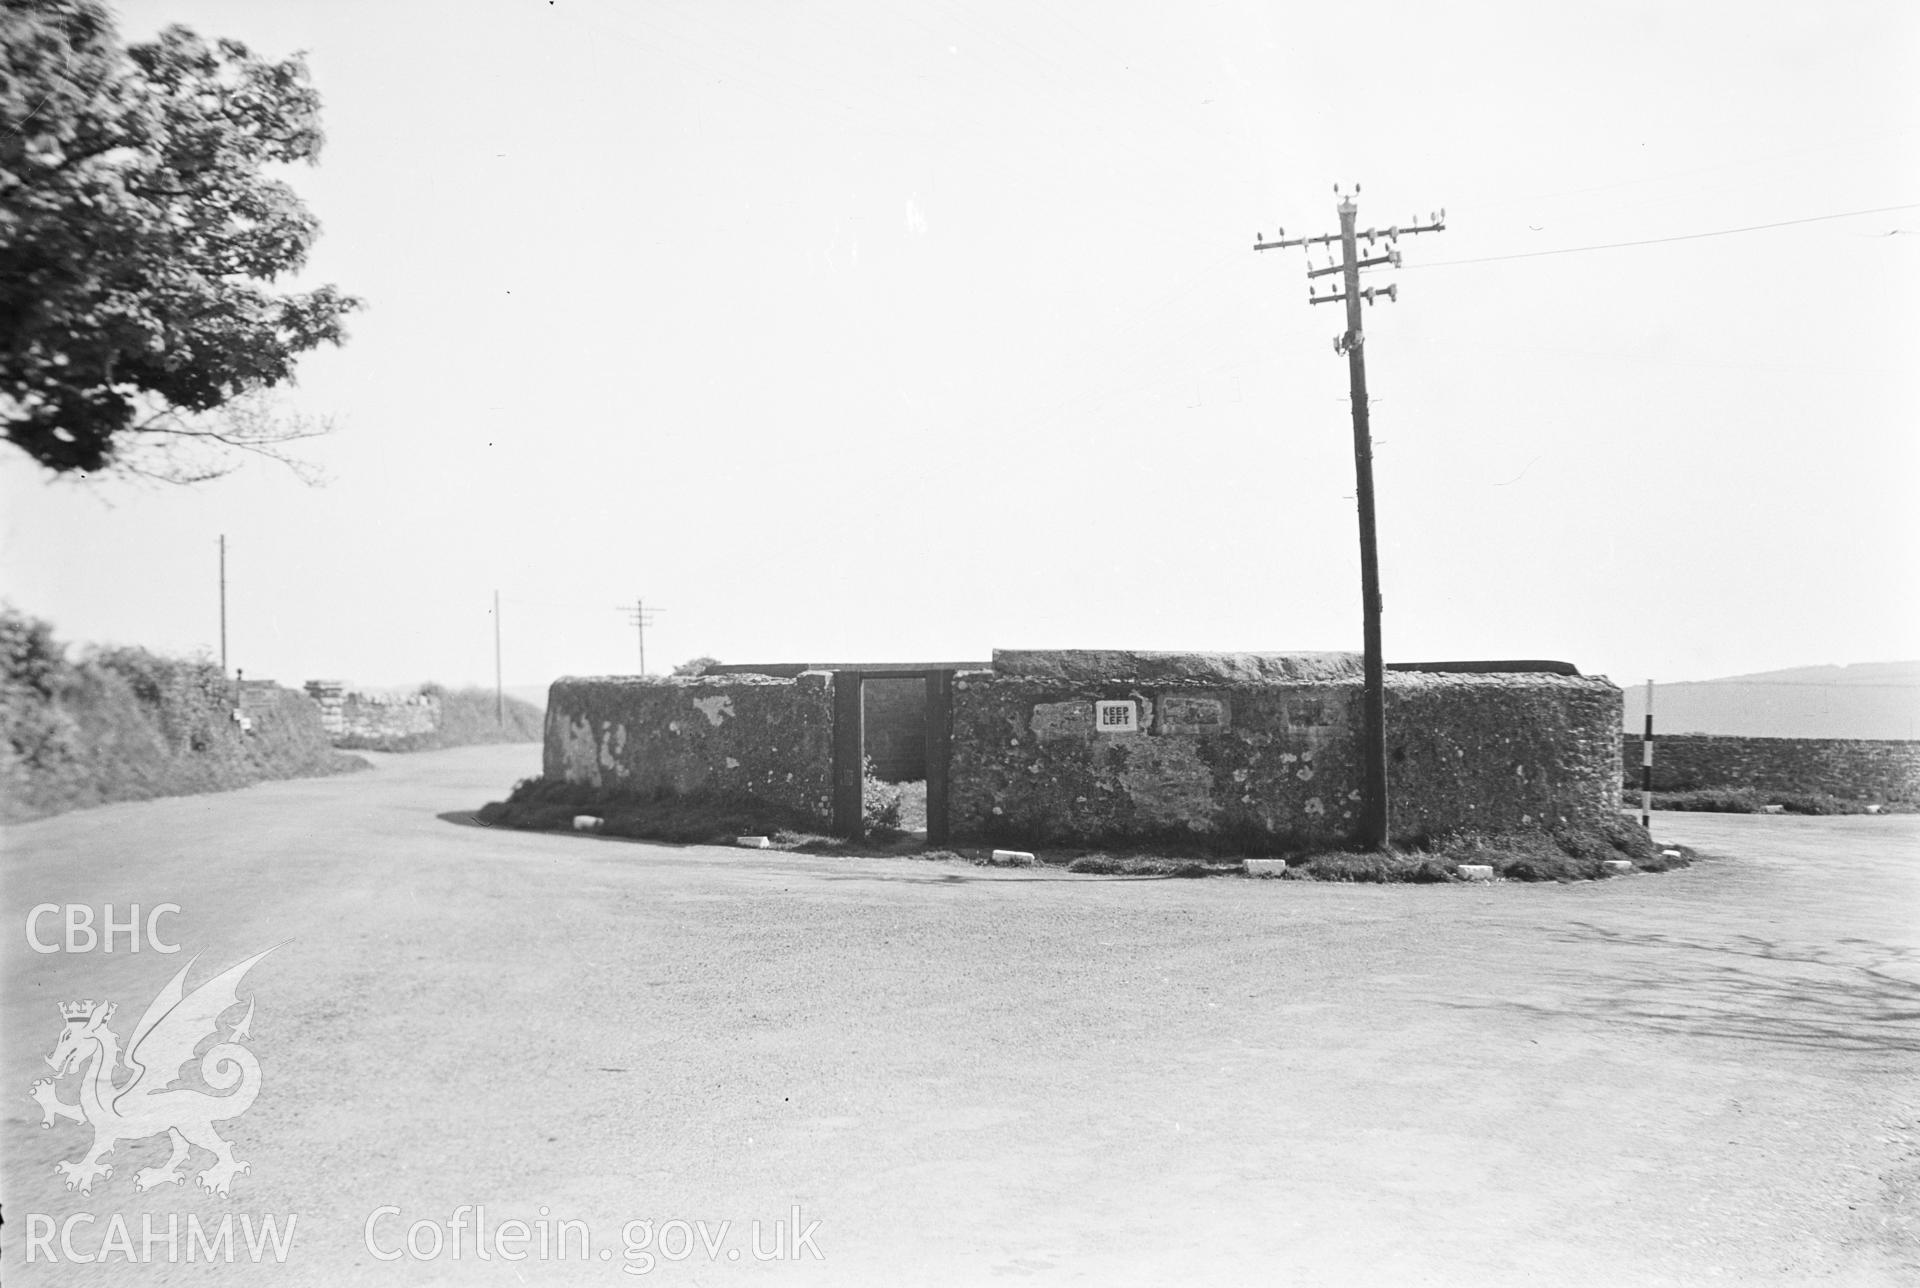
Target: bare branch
{"type": "Point", "coordinates": [168, 446]}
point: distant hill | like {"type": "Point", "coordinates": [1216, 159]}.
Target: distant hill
{"type": "Point", "coordinates": [1865, 700]}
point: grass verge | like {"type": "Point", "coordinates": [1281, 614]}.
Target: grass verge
{"type": "Point", "coordinates": [1572, 853]}
{"type": "Point", "coordinates": [117, 724]}
{"type": "Point", "coordinates": [541, 805]}
{"type": "Point", "coordinates": [1757, 800]}
{"type": "Point", "coordinates": [1564, 854]}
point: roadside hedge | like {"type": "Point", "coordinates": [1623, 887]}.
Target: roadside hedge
{"type": "Point", "coordinates": [116, 724]}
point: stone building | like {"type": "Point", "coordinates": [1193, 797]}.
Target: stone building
{"type": "Point", "coordinates": [1088, 747]}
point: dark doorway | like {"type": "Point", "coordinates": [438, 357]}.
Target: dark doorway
{"type": "Point", "coordinates": [894, 726]}
{"type": "Point", "coordinates": [850, 684]}
{"type": "Point", "coordinates": [895, 716]}
{"type": "Point", "coordinates": [880, 714]}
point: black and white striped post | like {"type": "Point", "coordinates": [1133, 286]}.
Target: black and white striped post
{"type": "Point", "coordinates": [1646, 765]}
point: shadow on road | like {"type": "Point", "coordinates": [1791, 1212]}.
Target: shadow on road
{"type": "Point", "coordinates": [942, 878]}
{"type": "Point", "coordinates": [949, 878]}
{"type": "Point", "coordinates": [469, 818]}
{"type": "Point", "coordinates": [1838, 996]}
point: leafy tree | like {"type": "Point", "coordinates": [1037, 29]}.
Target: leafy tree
{"type": "Point", "coordinates": [138, 233]}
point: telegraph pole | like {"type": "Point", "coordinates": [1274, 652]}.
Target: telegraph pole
{"type": "Point", "coordinates": [1373, 803]}
{"type": "Point", "coordinates": [641, 617]}
{"type": "Point", "coordinates": [1646, 765]}
{"type": "Point", "coordinates": [499, 693]}
{"type": "Point", "coordinates": [223, 606]}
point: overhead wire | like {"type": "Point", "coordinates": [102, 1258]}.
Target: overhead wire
{"type": "Point", "coordinates": [1657, 241]}
{"type": "Point", "coordinates": [1012, 63]}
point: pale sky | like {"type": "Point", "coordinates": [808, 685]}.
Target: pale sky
{"type": "Point", "coordinates": [904, 331]}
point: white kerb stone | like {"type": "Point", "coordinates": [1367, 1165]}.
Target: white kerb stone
{"type": "Point", "coordinates": [587, 823]}
{"type": "Point", "coordinates": [753, 842]}
{"type": "Point", "coordinates": [1475, 871]}
{"type": "Point", "coordinates": [1617, 865]}
{"type": "Point", "coordinates": [1014, 858]}
{"type": "Point", "coordinates": [1266, 867]}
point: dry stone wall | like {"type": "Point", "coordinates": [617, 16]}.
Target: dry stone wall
{"type": "Point", "coordinates": [1851, 768]}
{"type": "Point", "coordinates": [735, 735]}
{"type": "Point", "coordinates": [1272, 763]}
{"type": "Point", "coordinates": [331, 697]}
{"type": "Point", "coordinates": [371, 717]}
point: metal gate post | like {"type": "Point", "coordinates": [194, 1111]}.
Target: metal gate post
{"type": "Point", "coordinates": [939, 752]}
{"type": "Point", "coordinates": [849, 754]}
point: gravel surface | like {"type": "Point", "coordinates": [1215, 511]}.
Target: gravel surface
{"type": "Point", "coordinates": [991, 1076]}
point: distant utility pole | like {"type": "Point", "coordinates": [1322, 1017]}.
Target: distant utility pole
{"type": "Point", "coordinates": [1373, 805]}
{"type": "Point", "coordinates": [223, 606]}
{"type": "Point", "coordinates": [499, 694]}
{"type": "Point", "coordinates": [1646, 765]}
{"type": "Point", "coordinates": [642, 617]}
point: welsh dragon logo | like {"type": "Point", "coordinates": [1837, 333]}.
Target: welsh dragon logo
{"type": "Point", "coordinates": [145, 1102]}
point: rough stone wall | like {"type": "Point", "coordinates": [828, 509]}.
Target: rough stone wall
{"type": "Point", "coordinates": [1852, 768]}
{"type": "Point", "coordinates": [740, 735]}
{"type": "Point", "coordinates": [331, 695]}
{"type": "Point", "coordinates": [1151, 666]}
{"type": "Point", "coordinates": [1276, 763]}
{"type": "Point", "coordinates": [372, 717]}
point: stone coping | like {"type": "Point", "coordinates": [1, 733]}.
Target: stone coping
{"type": "Point", "coordinates": [1147, 666]}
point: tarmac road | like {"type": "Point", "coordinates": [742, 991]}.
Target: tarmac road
{"type": "Point", "coordinates": [970, 1076]}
